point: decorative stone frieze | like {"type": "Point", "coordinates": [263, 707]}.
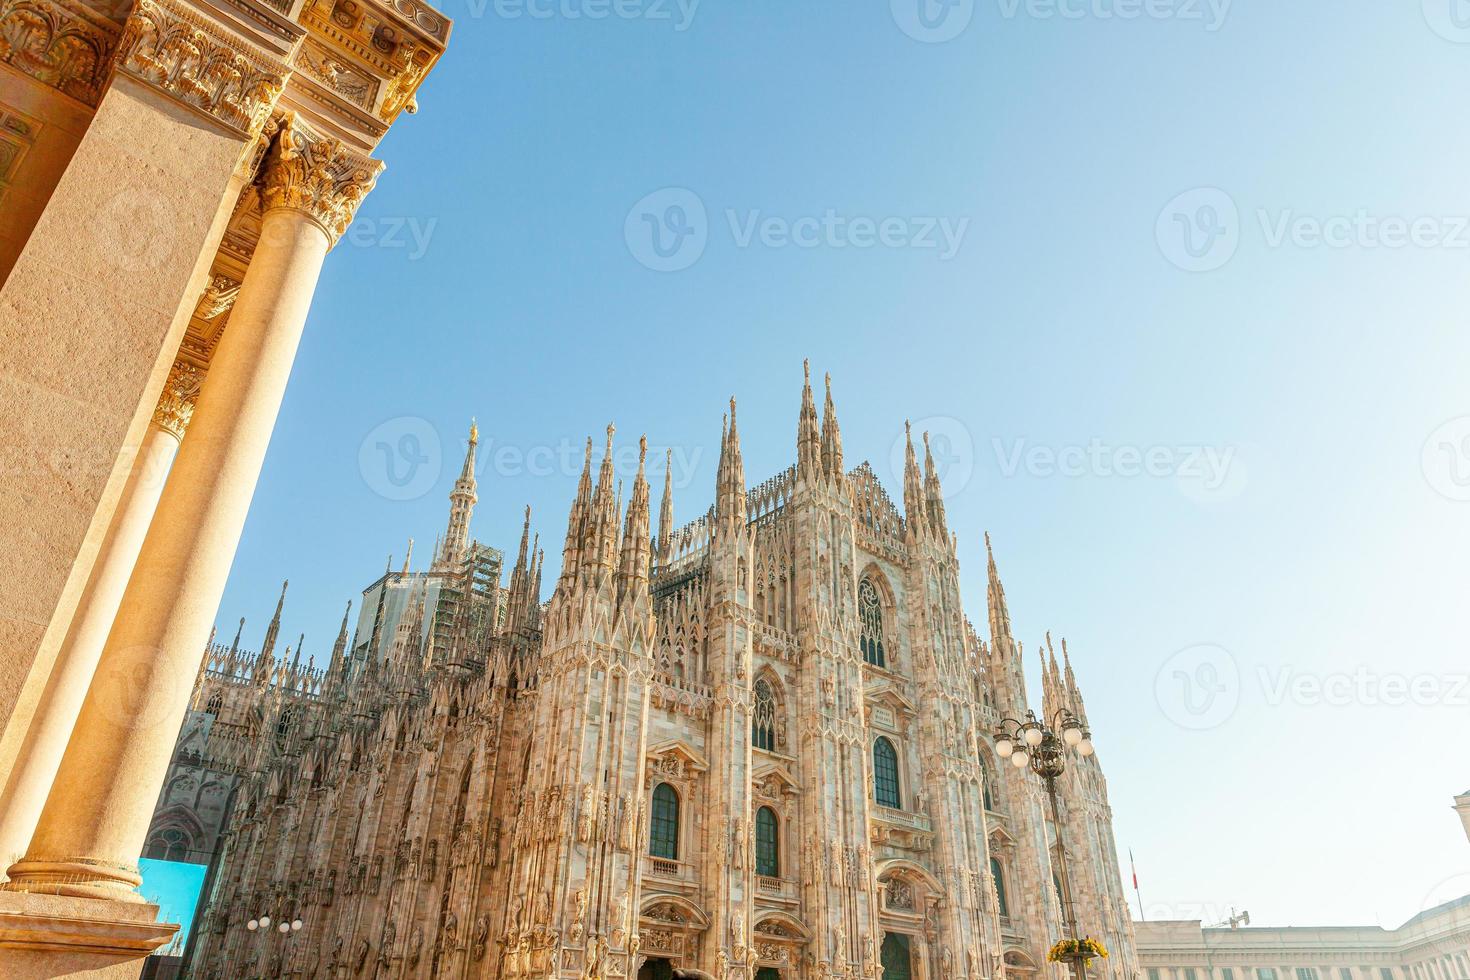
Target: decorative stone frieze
{"type": "Point", "coordinates": [176, 404]}
{"type": "Point", "coordinates": [66, 46]}
{"type": "Point", "coordinates": [318, 176]}
{"type": "Point", "coordinates": [194, 61]}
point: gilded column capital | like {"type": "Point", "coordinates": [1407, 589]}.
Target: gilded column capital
{"type": "Point", "coordinates": [176, 404]}
{"type": "Point", "coordinates": [173, 48]}
{"type": "Point", "coordinates": [318, 176]}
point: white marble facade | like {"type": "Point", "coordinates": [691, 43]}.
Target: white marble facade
{"type": "Point", "coordinates": [756, 746]}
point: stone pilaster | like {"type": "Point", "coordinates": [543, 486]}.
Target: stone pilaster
{"type": "Point", "coordinates": [97, 814]}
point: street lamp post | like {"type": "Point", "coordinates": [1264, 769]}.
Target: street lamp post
{"type": "Point", "coordinates": [287, 929]}
{"type": "Point", "coordinates": [1035, 743]}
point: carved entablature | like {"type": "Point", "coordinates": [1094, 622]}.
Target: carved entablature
{"type": "Point", "coordinates": [372, 55]}
{"type": "Point", "coordinates": [67, 46]}
{"type": "Point", "coordinates": [195, 61]}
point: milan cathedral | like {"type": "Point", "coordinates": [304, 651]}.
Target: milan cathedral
{"type": "Point", "coordinates": [756, 746]}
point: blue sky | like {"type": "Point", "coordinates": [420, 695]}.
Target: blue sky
{"type": "Point", "coordinates": [1194, 350]}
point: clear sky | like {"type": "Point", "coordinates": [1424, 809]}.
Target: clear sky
{"type": "Point", "coordinates": [1181, 295]}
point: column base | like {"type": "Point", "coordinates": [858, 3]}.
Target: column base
{"type": "Point", "coordinates": [77, 878]}
{"type": "Point", "coordinates": [43, 936]}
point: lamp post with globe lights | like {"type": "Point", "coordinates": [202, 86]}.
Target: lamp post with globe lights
{"type": "Point", "coordinates": [1043, 747]}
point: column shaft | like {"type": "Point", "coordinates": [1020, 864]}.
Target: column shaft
{"type": "Point", "coordinates": [45, 742]}
{"type": "Point", "coordinates": [93, 826]}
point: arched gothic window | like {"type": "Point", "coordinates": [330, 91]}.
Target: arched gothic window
{"type": "Point", "coordinates": [663, 837]}
{"type": "Point", "coordinates": [216, 704]}
{"type": "Point", "coordinates": [283, 724]}
{"type": "Point", "coordinates": [763, 721]}
{"type": "Point", "coordinates": [985, 777]}
{"type": "Point", "coordinates": [169, 844]}
{"type": "Point", "coordinates": [1000, 888]}
{"type": "Point", "coordinates": [870, 615]}
{"type": "Point", "coordinates": [767, 844]}
{"type": "Point", "coordinates": [885, 774]}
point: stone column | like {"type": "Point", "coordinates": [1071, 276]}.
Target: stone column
{"type": "Point", "coordinates": [46, 739]}
{"type": "Point", "coordinates": [99, 298]}
{"type": "Point", "coordinates": [93, 826]}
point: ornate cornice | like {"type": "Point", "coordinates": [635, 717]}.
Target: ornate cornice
{"type": "Point", "coordinates": [318, 176]}
{"type": "Point", "coordinates": [63, 45]}
{"type": "Point", "coordinates": [176, 404]}
{"type": "Point", "coordinates": [172, 48]}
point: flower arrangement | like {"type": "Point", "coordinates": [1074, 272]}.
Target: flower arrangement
{"type": "Point", "coordinates": [1068, 950]}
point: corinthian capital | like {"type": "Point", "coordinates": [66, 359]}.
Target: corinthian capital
{"type": "Point", "coordinates": [176, 404]}
{"type": "Point", "coordinates": [318, 176]}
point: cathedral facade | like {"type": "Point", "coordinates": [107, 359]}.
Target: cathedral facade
{"type": "Point", "coordinates": [755, 746]}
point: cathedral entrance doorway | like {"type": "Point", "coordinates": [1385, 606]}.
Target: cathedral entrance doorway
{"type": "Point", "coordinates": [656, 969]}
{"type": "Point", "coordinates": [897, 961]}
{"type": "Point", "coordinates": [768, 973]}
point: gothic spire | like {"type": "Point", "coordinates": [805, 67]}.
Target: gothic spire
{"type": "Point", "coordinates": [604, 524]}
{"type": "Point", "coordinates": [339, 649]}
{"type": "Point", "coordinates": [831, 436]}
{"type": "Point", "coordinates": [808, 442]}
{"type": "Point", "coordinates": [730, 484]}
{"type": "Point", "coordinates": [235, 644]}
{"type": "Point", "coordinates": [666, 511]}
{"type": "Point", "coordinates": [268, 645]}
{"type": "Point", "coordinates": [407, 557]}
{"type": "Point", "coordinates": [462, 500]}
{"type": "Point", "coordinates": [633, 573]}
{"type": "Point", "coordinates": [577, 517]}
{"type": "Point", "coordinates": [913, 496]}
{"type": "Point", "coordinates": [934, 494]}
{"type": "Point", "coordinates": [1000, 614]}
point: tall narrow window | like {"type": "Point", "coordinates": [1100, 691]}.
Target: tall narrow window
{"type": "Point", "coordinates": [1000, 889]}
{"type": "Point", "coordinates": [985, 777]}
{"type": "Point", "coordinates": [664, 823]}
{"type": "Point", "coordinates": [870, 615]}
{"type": "Point", "coordinates": [763, 722]}
{"type": "Point", "coordinates": [885, 774]}
{"type": "Point", "coordinates": [767, 844]}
